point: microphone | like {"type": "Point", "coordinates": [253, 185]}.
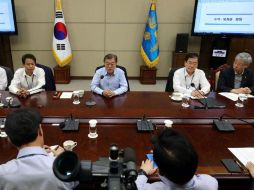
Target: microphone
{"type": "Point", "coordinates": [205, 105]}
{"type": "Point", "coordinates": [102, 77]}
{"type": "Point", "coordinates": [71, 124]}
{"type": "Point", "coordinates": [223, 124]}
{"type": "Point", "coordinates": [144, 124]}
{"type": "Point", "coordinates": [240, 119]}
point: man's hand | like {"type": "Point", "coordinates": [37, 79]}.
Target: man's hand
{"type": "Point", "coordinates": [198, 94]}
{"type": "Point", "coordinates": [108, 93]}
{"type": "Point", "coordinates": [245, 90]}
{"type": "Point", "coordinates": [23, 93]}
{"type": "Point", "coordinates": [147, 166]}
{"type": "Point", "coordinates": [56, 151]}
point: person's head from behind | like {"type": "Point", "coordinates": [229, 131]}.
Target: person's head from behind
{"type": "Point", "coordinates": [23, 127]}
{"type": "Point", "coordinates": [110, 61]}
{"type": "Point", "coordinates": [242, 61]}
{"type": "Point", "coordinates": [29, 61]}
{"type": "Point", "coordinates": [175, 156]}
{"type": "Point", "coordinates": [191, 62]}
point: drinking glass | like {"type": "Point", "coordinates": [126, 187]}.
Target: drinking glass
{"type": "Point", "coordinates": [240, 100]}
{"type": "Point", "coordinates": [92, 129]}
{"type": "Point", "coordinates": [76, 98]}
{"type": "Point", "coordinates": [185, 101]}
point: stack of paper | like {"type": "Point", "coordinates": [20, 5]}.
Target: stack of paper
{"type": "Point", "coordinates": [233, 96]}
{"type": "Point", "coordinates": [244, 155]}
{"type": "Point", "coordinates": [66, 95]}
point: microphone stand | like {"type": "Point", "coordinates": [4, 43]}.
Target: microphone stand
{"type": "Point", "coordinates": [205, 106]}
{"type": "Point", "coordinates": [240, 119]}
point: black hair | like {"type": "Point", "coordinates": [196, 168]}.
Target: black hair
{"type": "Point", "coordinates": [175, 156]}
{"type": "Point", "coordinates": [110, 56]}
{"type": "Point", "coordinates": [190, 55]}
{"type": "Point", "coordinates": [28, 56]}
{"type": "Point", "coordinates": [22, 126]}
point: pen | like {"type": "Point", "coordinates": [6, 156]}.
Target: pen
{"type": "Point", "coordinates": [56, 147]}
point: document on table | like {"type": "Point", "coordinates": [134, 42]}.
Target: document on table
{"type": "Point", "coordinates": [233, 96]}
{"type": "Point", "coordinates": [244, 155]}
{"type": "Point", "coordinates": [66, 95]}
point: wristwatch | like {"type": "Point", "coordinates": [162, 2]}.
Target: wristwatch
{"type": "Point", "coordinates": [142, 172]}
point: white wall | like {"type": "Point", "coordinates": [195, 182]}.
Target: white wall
{"type": "Point", "coordinates": [97, 27]}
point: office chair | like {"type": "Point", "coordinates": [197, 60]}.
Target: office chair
{"type": "Point", "coordinates": [215, 74]}
{"type": "Point", "coordinates": [169, 85]}
{"type": "Point", "coordinates": [9, 75]}
{"type": "Point", "coordinates": [122, 68]}
{"type": "Point", "coordinates": [49, 78]}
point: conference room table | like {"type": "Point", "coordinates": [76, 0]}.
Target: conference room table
{"type": "Point", "coordinates": [117, 118]}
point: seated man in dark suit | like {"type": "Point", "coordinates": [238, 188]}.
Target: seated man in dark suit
{"type": "Point", "coordinates": [109, 81]}
{"type": "Point", "coordinates": [238, 79]}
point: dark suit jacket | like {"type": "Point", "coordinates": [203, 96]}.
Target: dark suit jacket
{"type": "Point", "coordinates": [227, 79]}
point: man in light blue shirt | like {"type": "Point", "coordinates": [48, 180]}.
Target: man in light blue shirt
{"type": "Point", "coordinates": [177, 161]}
{"type": "Point", "coordinates": [109, 81]}
{"type": "Point", "coordinates": [32, 169]}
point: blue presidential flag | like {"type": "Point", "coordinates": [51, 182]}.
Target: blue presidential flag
{"type": "Point", "coordinates": [150, 48]}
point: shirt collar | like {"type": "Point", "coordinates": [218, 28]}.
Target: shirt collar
{"type": "Point", "coordinates": [31, 150]}
{"type": "Point", "coordinates": [186, 74]}
{"type": "Point", "coordinates": [105, 73]}
{"type": "Point", "coordinates": [187, 185]}
{"type": "Point", "coordinates": [239, 74]}
{"type": "Point", "coordinates": [34, 73]}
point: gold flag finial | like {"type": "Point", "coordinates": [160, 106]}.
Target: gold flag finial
{"type": "Point", "coordinates": [58, 5]}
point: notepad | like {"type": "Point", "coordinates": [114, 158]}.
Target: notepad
{"type": "Point", "coordinates": [244, 155]}
{"type": "Point", "coordinates": [233, 96]}
{"type": "Point", "coordinates": [66, 95]}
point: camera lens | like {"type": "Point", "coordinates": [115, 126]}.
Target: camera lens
{"type": "Point", "coordinates": [113, 152]}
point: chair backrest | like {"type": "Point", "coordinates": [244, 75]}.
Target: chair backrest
{"type": "Point", "coordinates": [122, 68]}
{"type": "Point", "coordinates": [49, 78]}
{"type": "Point", "coordinates": [215, 75]}
{"type": "Point", "coordinates": [169, 85]}
{"type": "Point", "coordinates": [9, 75]}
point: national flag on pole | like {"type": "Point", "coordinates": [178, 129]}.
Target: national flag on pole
{"type": "Point", "coordinates": [61, 45]}
{"type": "Point", "coordinates": [150, 48]}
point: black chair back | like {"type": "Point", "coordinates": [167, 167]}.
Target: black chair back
{"type": "Point", "coordinates": [49, 78]}
{"type": "Point", "coordinates": [9, 75]}
{"type": "Point", "coordinates": [169, 85]}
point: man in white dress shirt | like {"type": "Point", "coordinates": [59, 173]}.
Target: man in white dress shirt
{"type": "Point", "coordinates": [27, 79]}
{"type": "Point", "coordinates": [190, 80]}
{"type": "Point", "coordinates": [32, 169]}
{"type": "Point", "coordinates": [3, 79]}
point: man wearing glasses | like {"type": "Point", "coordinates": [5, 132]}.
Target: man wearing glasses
{"type": "Point", "coordinates": [190, 80]}
{"type": "Point", "coordinates": [238, 79]}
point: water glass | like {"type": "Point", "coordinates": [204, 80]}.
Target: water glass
{"type": "Point", "coordinates": [240, 100]}
{"type": "Point", "coordinates": [76, 98]}
{"type": "Point", "coordinates": [92, 129]}
{"type": "Point", "coordinates": [186, 101]}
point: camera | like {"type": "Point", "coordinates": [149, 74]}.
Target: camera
{"type": "Point", "coordinates": [116, 172]}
